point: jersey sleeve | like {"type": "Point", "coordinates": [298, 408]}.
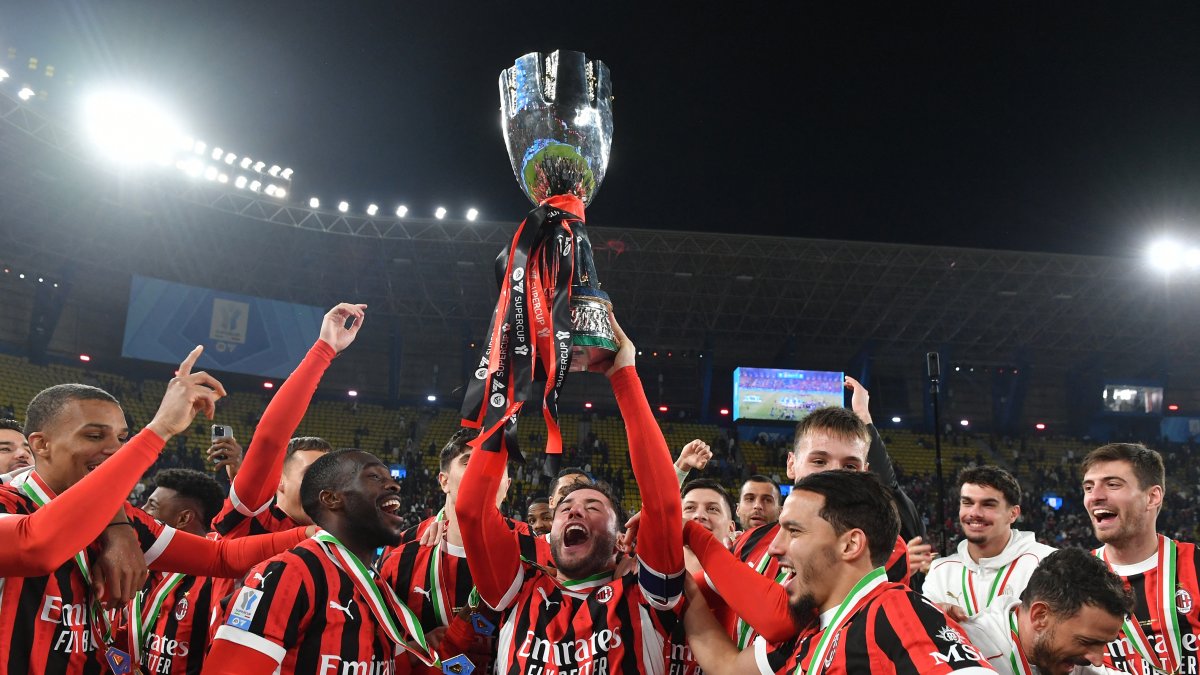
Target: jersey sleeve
{"type": "Point", "coordinates": [757, 599]}
{"type": "Point", "coordinates": [493, 551]}
{"type": "Point", "coordinates": [38, 543]}
{"type": "Point", "coordinates": [175, 551]}
{"type": "Point", "coordinates": [265, 619]}
{"type": "Point", "coordinates": [916, 638]}
{"type": "Point", "coordinates": [937, 582]}
{"type": "Point", "coordinates": [258, 477]}
{"type": "Point", "coordinates": [771, 658]}
{"type": "Point", "coordinates": [660, 549]}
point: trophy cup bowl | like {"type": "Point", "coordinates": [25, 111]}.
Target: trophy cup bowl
{"type": "Point", "coordinates": [556, 113]}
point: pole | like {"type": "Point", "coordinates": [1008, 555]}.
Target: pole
{"type": "Point", "coordinates": [934, 371]}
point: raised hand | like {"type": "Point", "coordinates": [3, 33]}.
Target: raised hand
{"type": "Point", "coordinates": [333, 327]}
{"type": "Point", "coordinates": [860, 399]}
{"type": "Point", "coordinates": [626, 354]}
{"type": "Point", "coordinates": [225, 452]}
{"type": "Point", "coordinates": [695, 455]}
{"type": "Point", "coordinates": [187, 393]}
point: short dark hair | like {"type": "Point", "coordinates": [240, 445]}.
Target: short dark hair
{"type": "Point", "coordinates": [993, 477]}
{"type": "Point", "coordinates": [49, 403]}
{"type": "Point", "coordinates": [857, 500]}
{"type": "Point", "coordinates": [836, 421]}
{"type": "Point", "coordinates": [567, 471]}
{"type": "Point", "coordinates": [604, 489]}
{"type": "Point", "coordinates": [759, 478]}
{"type": "Point", "coordinates": [709, 484]}
{"type": "Point", "coordinates": [12, 425]}
{"type": "Point", "coordinates": [1070, 578]}
{"type": "Point", "coordinates": [192, 484]}
{"type": "Point", "coordinates": [458, 444]}
{"type": "Point", "coordinates": [306, 444]}
{"type": "Point", "coordinates": [1147, 464]}
{"type": "Point", "coordinates": [329, 472]}
{"type": "Point", "coordinates": [537, 500]}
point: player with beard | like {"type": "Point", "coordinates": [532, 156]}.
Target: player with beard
{"type": "Point", "coordinates": [993, 559]}
{"type": "Point", "coordinates": [14, 449]}
{"type": "Point", "coordinates": [55, 623]}
{"type": "Point", "coordinates": [169, 620]}
{"type": "Point", "coordinates": [579, 618]}
{"type": "Point", "coordinates": [837, 529]}
{"type": "Point", "coordinates": [435, 580]}
{"type": "Point", "coordinates": [1123, 487]}
{"type": "Point", "coordinates": [1071, 608]}
{"type": "Point", "coordinates": [749, 578]}
{"type": "Point", "coordinates": [320, 607]}
{"type": "Point", "coordinates": [758, 502]}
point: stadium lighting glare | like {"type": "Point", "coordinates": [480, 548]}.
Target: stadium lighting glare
{"type": "Point", "coordinates": [372, 209]}
{"type": "Point", "coordinates": [240, 182]}
{"type": "Point", "coordinates": [352, 393]}
{"type": "Point", "coordinates": [274, 170]}
{"type": "Point", "coordinates": [41, 280]}
{"type": "Point", "coordinates": [3, 74]}
{"type": "Point", "coordinates": [259, 166]}
{"type": "Point", "coordinates": [1173, 407]}
{"type": "Point", "coordinates": [472, 214]}
{"type": "Point", "coordinates": [440, 213]}
{"type": "Point", "coordinates": [286, 174]}
{"type": "Point", "coordinates": [270, 190]}
{"type": "Point", "coordinates": [401, 211]}
{"type": "Point", "coordinates": [128, 127]}
{"type": "Point", "coordinates": [896, 420]}
{"type": "Point", "coordinates": [965, 423]}
{"type": "Point", "coordinates": [218, 153]}
{"type": "Point", "coordinates": [343, 206]}
{"type": "Point", "coordinates": [255, 186]}
{"type": "Point", "coordinates": [663, 408]}
{"type": "Point", "coordinates": [280, 193]}
{"type": "Point", "coordinates": [230, 158]}
{"type": "Point", "coordinates": [724, 412]}
{"type": "Point", "coordinates": [588, 405]}
{"type": "Point", "coordinates": [222, 178]}
{"type": "Point", "coordinates": [21, 275]}
{"type": "Point", "coordinates": [431, 398]}
{"type": "Point", "coordinates": [246, 162]}
{"type": "Point", "coordinates": [25, 94]}
{"type": "Point", "coordinates": [85, 358]}
{"type": "Point", "coordinates": [1165, 255]}
{"type": "Point", "coordinates": [1192, 258]}
{"type": "Point", "coordinates": [199, 147]}
{"type": "Point", "coordinates": [314, 203]}
{"type": "Point", "coordinates": [1040, 426]}
{"type": "Point", "coordinates": [268, 385]}
{"type": "Point", "coordinates": [210, 173]}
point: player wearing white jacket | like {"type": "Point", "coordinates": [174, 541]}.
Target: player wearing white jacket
{"type": "Point", "coordinates": [993, 559]}
{"type": "Point", "coordinates": [1073, 607]}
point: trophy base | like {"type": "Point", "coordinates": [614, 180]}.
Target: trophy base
{"type": "Point", "coordinates": [592, 339]}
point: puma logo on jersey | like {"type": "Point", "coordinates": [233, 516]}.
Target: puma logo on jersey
{"type": "Point", "coordinates": [423, 592]}
{"type": "Point", "coordinates": [343, 608]}
{"type": "Point", "coordinates": [546, 599]}
{"type": "Point", "coordinates": [261, 578]}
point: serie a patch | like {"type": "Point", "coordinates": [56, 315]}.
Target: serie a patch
{"type": "Point", "coordinates": [244, 607]}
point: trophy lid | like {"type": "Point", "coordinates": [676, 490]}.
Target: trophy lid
{"type": "Point", "coordinates": [556, 114]}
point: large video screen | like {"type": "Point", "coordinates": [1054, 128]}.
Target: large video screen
{"type": "Point", "coordinates": [1133, 399]}
{"type": "Point", "coordinates": [240, 333]}
{"type": "Point", "coordinates": [784, 395]}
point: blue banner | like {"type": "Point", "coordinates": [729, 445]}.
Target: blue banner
{"type": "Point", "coordinates": [240, 333]}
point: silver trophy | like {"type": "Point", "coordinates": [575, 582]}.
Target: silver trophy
{"type": "Point", "coordinates": [556, 112]}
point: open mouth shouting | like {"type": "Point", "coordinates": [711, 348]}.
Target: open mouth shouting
{"type": "Point", "coordinates": [390, 506]}
{"type": "Point", "coordinates": [1104, 518]}
{"type": "Point", "coordinates": [575, 537]}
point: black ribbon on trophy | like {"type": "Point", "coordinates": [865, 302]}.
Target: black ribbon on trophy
{"type": "Point", "coordinates": [551, 316]}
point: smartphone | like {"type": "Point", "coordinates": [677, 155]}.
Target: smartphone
{"type": "Point", "coordinates": [220, 431]}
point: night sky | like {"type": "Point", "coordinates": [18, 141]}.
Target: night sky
{"type": "Point", "coordinates": [1068, 128]}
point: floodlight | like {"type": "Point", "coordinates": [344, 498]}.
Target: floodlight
{"type": "Point", "coordinates": [896, 420]}
{"type": "Point", "coordinates": [343, 206]}
{"type": "Point", "coordinates": [352, 393]}
{"type": "Point", "coordinates": [255, 185]}
{"type": "Point", "coordinates": [440, 213]}
{"type": "Point", "coordinates": [286, 174]}
{"type": "Point", "coordinates": [270, 190]}
{"type": "Point", "coordinates": [199, 147]}
{"type": "Point", "coordinates": [1192, 258]}
{"type": "Point", "coordinates": [274, 170]}
{"type": "Point", "coordinates": [401, 211]}
{"type": "Point", "coordinates": [724, 411]}
{"type": "Point", "coordinates": [129, 127]}
{"type": "Point", "coordinates": [965, 423]}
{"type": "Point", "coordinates": [268, 385]}
{"type": "Point", "coordinates": [240, 182]}
{"type": "Point", "coordinates": [222, 178]}
{"type": "Point", "coordinates": [314, 203]}
{"type": "Point", "coordinates": [1165, 255]}
{"type": "Point", "coordinates": [431, 398]}
{"type": "Point", "coordinates": [280, 193]}
{"type": "Point", "coordinates": [210, 173]}
{"type": "Point", "coordinates": [372, 209]}
{"type": "Point", "coordinates": [217, 153]}
{"type": "Point", "coordinates": [3, 74]}
{"type": "Point", "coordinates": [230, 158]}
{"type": "Point", "coordinates": [472, 214]}
{"type": "Point", "coordinates": [258, 166]}
{"type": "Point", "coordinates": [246, 162]}
{"type": "Point", "coordinates": [194, 167]}
{"type": "Point", "coordinates": [85, 358]}
{"type": "Point", "coordinates": [25, 94]}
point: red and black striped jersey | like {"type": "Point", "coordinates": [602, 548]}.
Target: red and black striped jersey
{"type": "Point", "coordinates": [177, 641]}
{"type": "Point", "coordinates": [895, 631]}
{"type": "Point", "coordinates": [409, 571]}
{"type": "Point", "coordinates": [232, 523]}
{"type": "Point", "coordinates": [48, 619]}
{"type": "Point", "coordinates": [593, 626]}
{"type": "Point", "coordinates": [304, 612]}
{"type": "Point", "coordinates": [1142, 579]}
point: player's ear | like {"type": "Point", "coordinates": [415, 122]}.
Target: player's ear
{"type": "Point", "coordinates": [38, 445]}
{"type": "Point", "coordinates": [1039, 615]}
{"type": "Point", "coordinates": [854, 545]}
{"type": "Point", "coordinates": [331, 500]}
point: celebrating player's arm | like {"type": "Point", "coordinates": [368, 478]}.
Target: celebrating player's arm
{"type": "Point", "coordinates": [256, 481]}
{"type": "Point", "coordinates": [695, 455]}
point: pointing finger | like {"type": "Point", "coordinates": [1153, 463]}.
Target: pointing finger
{"type": "Point", "coordinates": [185, 368]}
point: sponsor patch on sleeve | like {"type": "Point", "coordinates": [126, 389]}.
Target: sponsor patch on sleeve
{"type": "Point", "coordinates": [244, 607]}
